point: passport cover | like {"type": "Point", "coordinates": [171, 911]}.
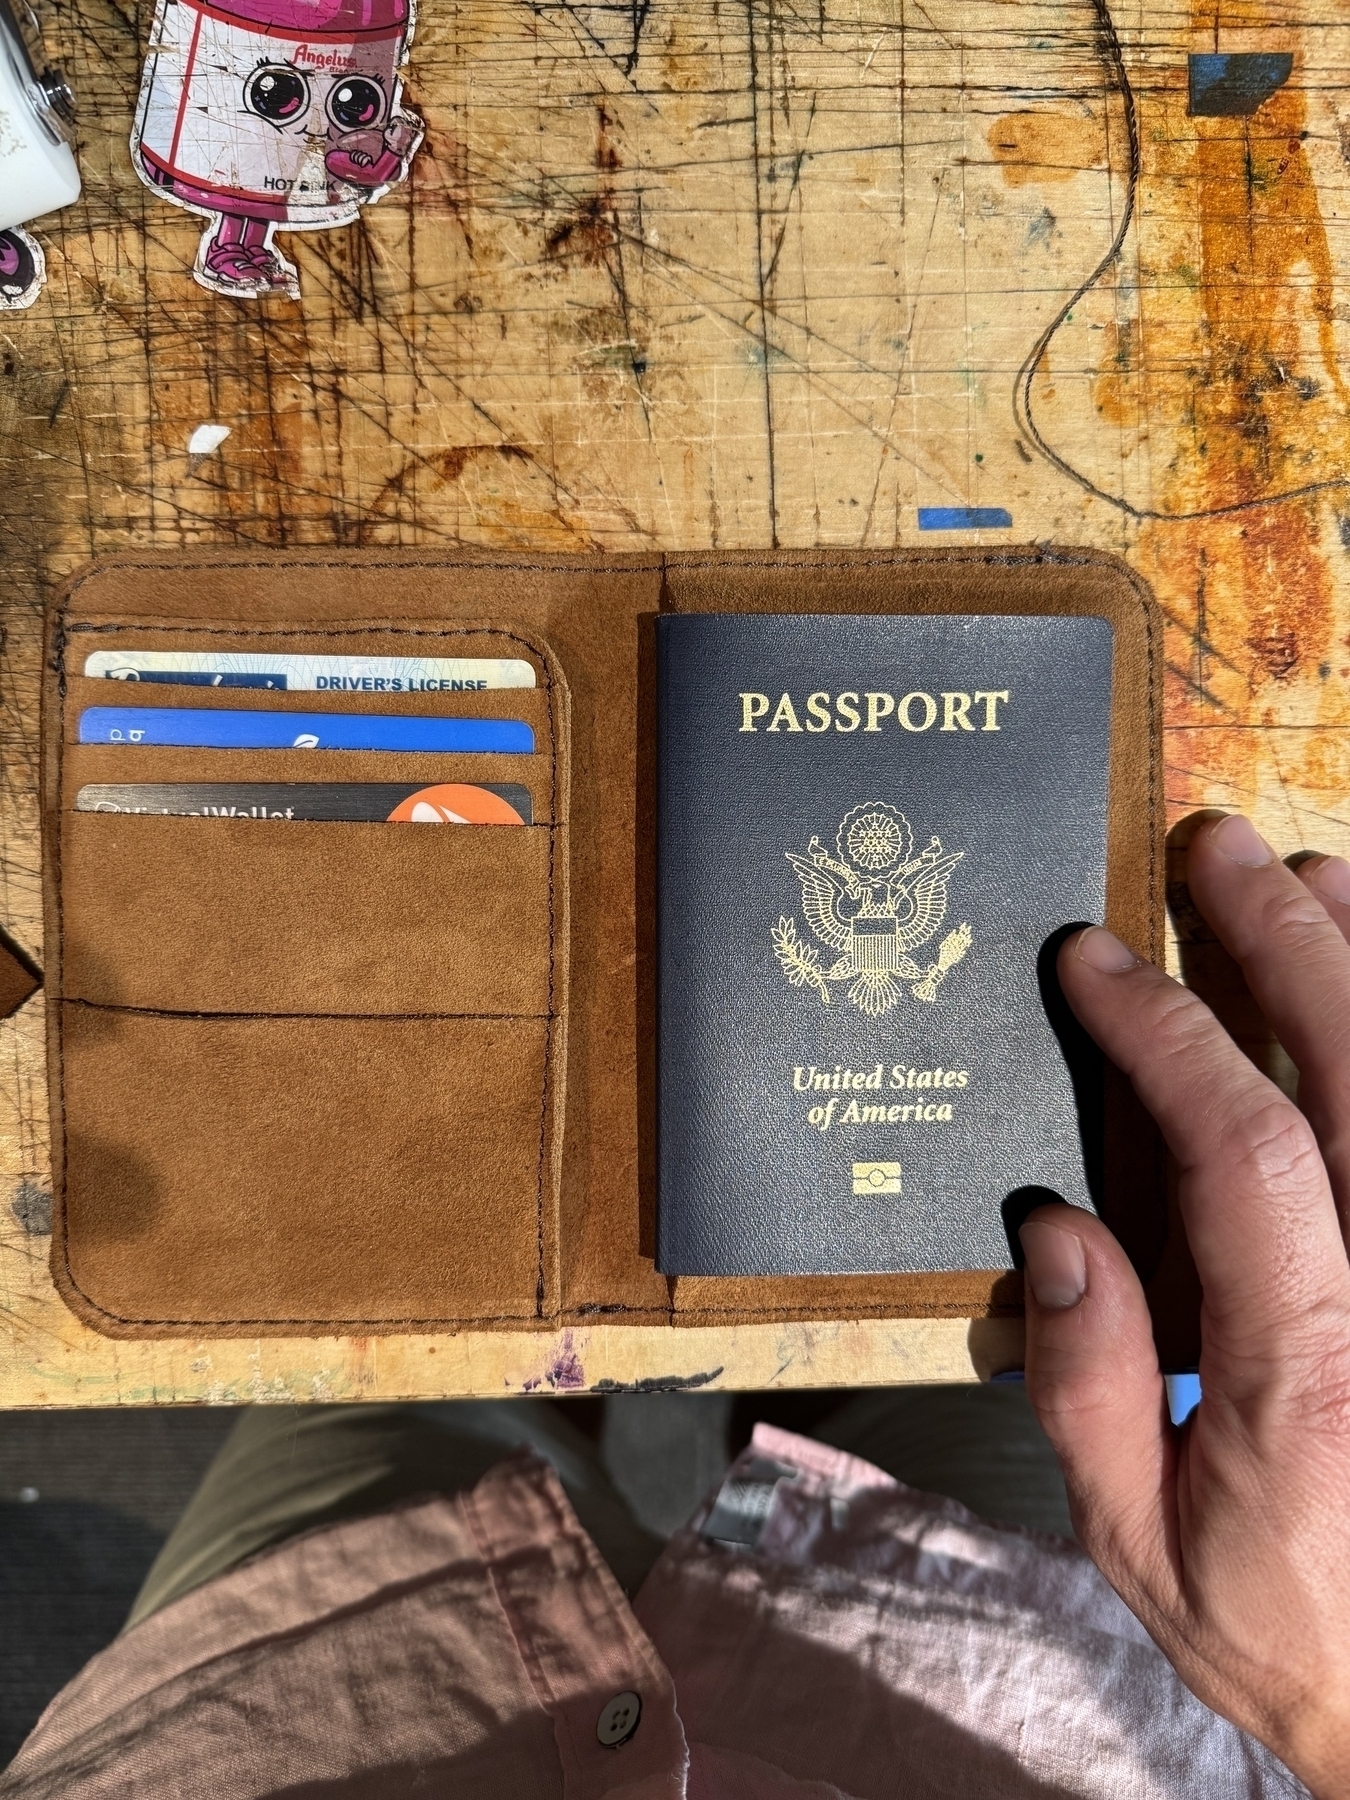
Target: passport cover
{"type": "Point", "coordinates": [337, 1077]}
{"type": "Point", "coordinates": [868, 828]}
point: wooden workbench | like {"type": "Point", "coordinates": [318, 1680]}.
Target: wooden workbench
{"type": "Point", "coordinates": [741, 276]}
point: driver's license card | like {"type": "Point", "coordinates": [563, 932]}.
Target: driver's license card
{"type": "Point", "coordinates": [317, 674]}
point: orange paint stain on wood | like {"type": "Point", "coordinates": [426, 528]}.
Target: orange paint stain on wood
{"type": "Point", "coordinates": [1231, 371]}
{"type": "Point", "coordinates": [1046, 146]}
{"type": "Point", "coordinates": [1114, 390]}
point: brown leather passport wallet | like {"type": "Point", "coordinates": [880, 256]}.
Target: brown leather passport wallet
{"type": "Point", "coordinates": [311, 1077]}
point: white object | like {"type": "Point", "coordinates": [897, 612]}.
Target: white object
{"type": "Point", "coordinates": [339, 674]}
{"type": "Point", "coordinates": [37, 168]}
{"type": "Point", "coordinates": [206, 439]}
{"type": "Point", "coordinates": [618, 1720]}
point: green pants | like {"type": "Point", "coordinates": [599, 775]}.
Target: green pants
{"type": "Point", "coordinates": [284, 1469]}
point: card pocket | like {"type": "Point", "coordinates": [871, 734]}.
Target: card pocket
{"type": "Point", "coordinates": [533, 705]}
{"type": "Point", "coordinates": [86, 764]}
{"type": "Point", "coordinates": [289, 917]}
{"type": "Point", "coordinates": [372, 638]}
{"type": "Point", "coordinates": [306, 1074]}
{"type": "Point", "coordinates": [245, 1172]}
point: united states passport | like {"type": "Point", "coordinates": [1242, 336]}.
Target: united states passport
{"type": "Point", "coordinates": [868, 828]}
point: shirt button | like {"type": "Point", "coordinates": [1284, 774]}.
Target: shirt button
{"type": "Point", "coordinates": [618, 1720]}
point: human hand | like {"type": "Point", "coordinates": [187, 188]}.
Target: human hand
{"type": "Point", "coordinates": [1227, 1537]}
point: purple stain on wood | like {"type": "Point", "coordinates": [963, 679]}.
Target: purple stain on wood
{"type": "Point", "coordinates": [564, 1373]}
{"type": "Point", "coordinates": [659, 1384]}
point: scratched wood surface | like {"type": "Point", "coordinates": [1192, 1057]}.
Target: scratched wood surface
{"type": "Point", "coordinates": [723, 272]}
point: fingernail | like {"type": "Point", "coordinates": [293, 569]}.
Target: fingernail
{"type": "Point", "coordinates": [1331, 880]}
{"type": "Point", "coordinates": [1102, 950]}
{"type": "Point", "coordinates": [1056, 1265]}
{"type": "Point", "coordinates": [1239, 840]}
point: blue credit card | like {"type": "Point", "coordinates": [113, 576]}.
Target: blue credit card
{"type": "Point", "coordinates": [298, 731]}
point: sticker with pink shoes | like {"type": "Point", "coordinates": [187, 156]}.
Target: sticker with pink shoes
{"type": "Point", "coordinates": [267, 115]}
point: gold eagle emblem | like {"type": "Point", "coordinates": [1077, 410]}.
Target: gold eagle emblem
{"type": "Point", "coordinates": [873, 903]}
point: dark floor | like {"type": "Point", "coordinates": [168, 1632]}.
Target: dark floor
{"type": "Point", "coordinates": [86, 1500]}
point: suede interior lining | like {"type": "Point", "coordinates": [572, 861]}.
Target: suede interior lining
{"type": "Point", "coordinates": [314, 1077]}
{"type": "Point", "coordinates": [321, 1153]}
{"type": "Point", "coordinates": [324, 917]}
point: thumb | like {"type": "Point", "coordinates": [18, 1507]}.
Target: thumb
{"type": "Point", "coordinates": [1093, 1379]}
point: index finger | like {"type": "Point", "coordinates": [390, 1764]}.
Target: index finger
{"type": "Point", "coordinates": [1254, 1193]}
{"type": "Point", "coordinates": [1295, 961]}
{"type": "Point", "coordinates": [1329, 878]}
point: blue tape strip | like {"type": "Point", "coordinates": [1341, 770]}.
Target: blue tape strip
{"type": "Point", "coordinates": [964, 518]}
{"type": "Point", "coordinates": [223, 730]}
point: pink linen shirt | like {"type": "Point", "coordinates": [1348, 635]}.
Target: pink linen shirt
{"type": "Point", "coordinates": [819, 1632]}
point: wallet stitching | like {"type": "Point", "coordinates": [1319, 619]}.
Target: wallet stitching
{"type": "Point", "coordinates": [354, 627]}
{"type": "Point", "coordinates": [549, 1035]}
{"type": "Point", "coordinates": [64, 629]}
{"type": "Point", "coordinates": [1032, 555]}
{"type": "Point", "coordinates": [174, 1012]}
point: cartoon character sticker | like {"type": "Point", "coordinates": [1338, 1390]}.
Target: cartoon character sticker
{"type": "Point", "coordinates": [259, 114]}
{"type": "Point", "coordinates": [23, 270]}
